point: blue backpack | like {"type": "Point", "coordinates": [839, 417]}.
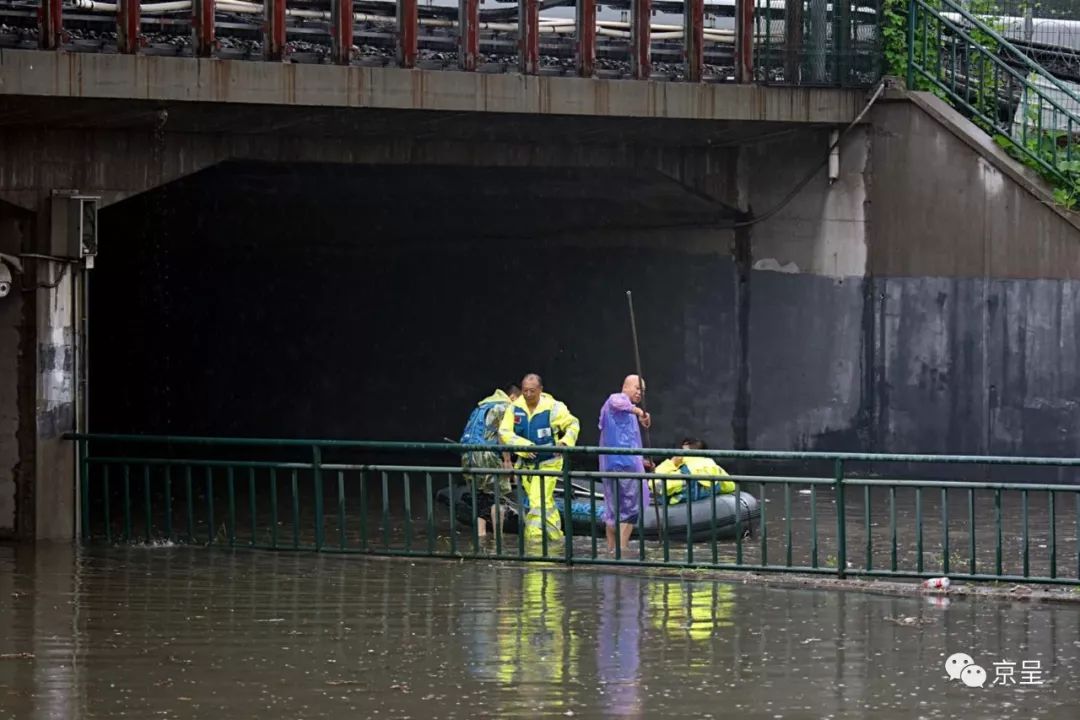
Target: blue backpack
{"type": "Point", "coordinates": [476, 426]}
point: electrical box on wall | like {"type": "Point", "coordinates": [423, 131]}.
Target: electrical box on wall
{"type": "Point", "coordinates": [74, 226]}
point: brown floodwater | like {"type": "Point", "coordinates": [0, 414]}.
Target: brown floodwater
{"type": "Point", "coordinates": [186, 632]}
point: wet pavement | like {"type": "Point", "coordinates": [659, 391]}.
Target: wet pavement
{"type": "Point", "coordinates": [178, 632]}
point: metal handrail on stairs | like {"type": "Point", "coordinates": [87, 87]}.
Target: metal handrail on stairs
{"type": "Point", "coordinates": [962, 58]}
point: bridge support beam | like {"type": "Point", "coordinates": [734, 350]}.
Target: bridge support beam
{"type": "Point", "coordinates": [407, 33]}
{"type": "Point", "coordinates": [50, 24]}
{"type": "Point", "coordinates": [694, 39]}
{"type": "Point", "coordinates": [586, 38]}
{"type": "Point", "coordinates": [341, 31]}
{"type": "Point", "coordinates": [274, 30]}
{"type": "Point", "coordinates": [640, 39]}
{"type": "Point", "coordinates": [128, 20]}
{"type": "Point", "coordinates": [202, 27]}
{"type": "Point", "coordinates": [468, 33]}
{"type": "Point", "coordinates": [529, 36]}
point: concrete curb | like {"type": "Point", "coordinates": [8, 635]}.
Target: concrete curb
{"type": "Point", "coordinates": [892, 588]}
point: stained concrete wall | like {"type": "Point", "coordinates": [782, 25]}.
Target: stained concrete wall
{"type": "Point", "coordinates": [933, 308]}
{"type": "Point", "coordinates": [977, 304]}
{"type": "Point", "coordinates": [11, 324]}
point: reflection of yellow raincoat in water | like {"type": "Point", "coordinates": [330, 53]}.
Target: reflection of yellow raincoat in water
{"type": "Point", "coordinates": [550, 422]}
{"type": "Point", "coordinates": [536, 644]}
{"type": "Point", "coordinates": [692, 609]}
{"type": "Point", "coordinates": [700, 466]}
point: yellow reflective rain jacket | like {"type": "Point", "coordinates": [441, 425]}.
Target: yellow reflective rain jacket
{"type": "Point", "coordinates": [550, 422]}
{"type": "Point", "coordinates": [701, 466]}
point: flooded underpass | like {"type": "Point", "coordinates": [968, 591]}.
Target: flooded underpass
{"type": "Point", "coordinates": [186, 632]}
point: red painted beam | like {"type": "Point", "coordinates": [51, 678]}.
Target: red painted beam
{"type": "Point", "coordinates": [274, 30]}
{"type": "Point", "coordinates": [128, 21]}
{"type": "Point", "coordinates": [529, 36]}
{"type": "Point", "coordinates": [694, 39]}
{"type": "Point", "coordinates": [744, 41]}
{"type": "Point", "coordinates": [407, 33]}
{"type": "Point", "coordinates": [202, 27]}
{"type": "Point", "coordinates": [640, 39]}
{"type": "Point", "coordinates": [586, 38]}
{"type": "Point", "coordinates": [341, 31]}
{"type": "Point", "coordinates": [468, 34]}
{"type": "Point", "coordinates": [50, 24]}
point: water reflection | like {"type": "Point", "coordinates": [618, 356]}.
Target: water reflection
{"type": "Point", "coordinates": [178, 632]}
{"type": "Point", "coordinates": [618, 646]}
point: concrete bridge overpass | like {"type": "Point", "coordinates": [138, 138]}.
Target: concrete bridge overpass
{"type": "Point", "coordinates": [242, 201]}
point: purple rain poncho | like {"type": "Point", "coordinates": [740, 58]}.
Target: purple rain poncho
{"type": "Point", "coordinates": [619, 428]}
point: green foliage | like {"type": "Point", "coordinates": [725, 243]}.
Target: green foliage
{"type": "Point", "coordinates": [966, 69]}
{"type": "Point", "coordinates": [1055, 157]}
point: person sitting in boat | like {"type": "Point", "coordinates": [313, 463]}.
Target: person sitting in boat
{"type": "Point", "coordinates": [678, 491]}
{"type": "Point", "coordinates": [482, 428]}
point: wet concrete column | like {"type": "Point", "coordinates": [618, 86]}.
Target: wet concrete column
{"type": "Point", "coordinates": [723, 175]}
{"type": "Point", "coordinates": [742, 254]}
{"type": "Point", "coordinates": [57, 284]}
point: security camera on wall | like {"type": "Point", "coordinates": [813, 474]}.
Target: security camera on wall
{"type": "Point", "coordinates": [5, 273]}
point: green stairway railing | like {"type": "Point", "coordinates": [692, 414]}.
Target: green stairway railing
{"type": "Point", "coordinates": [963, 58]}
{"type": "Point", "coordinates": [842, 514]}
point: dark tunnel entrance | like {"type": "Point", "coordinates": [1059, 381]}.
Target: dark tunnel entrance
{"type": "Point", "coordinates": [380, 302]}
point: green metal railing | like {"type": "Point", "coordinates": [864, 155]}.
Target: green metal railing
{"type": "Point", "coordinates": [819, 513]}
{"type": "Point", "coordinates": [966, 59]}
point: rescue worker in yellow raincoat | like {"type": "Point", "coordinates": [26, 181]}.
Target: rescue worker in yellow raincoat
{"type": "Point", "coordinates": [677, 490]}
{"type": "Point", "coordinates": [537, 419]}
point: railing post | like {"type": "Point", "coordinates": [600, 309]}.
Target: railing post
{"type": "Point", "coordinates": [84, 489]}
{"type": "Point", "coordinates": [841, 521]}
{"type": "Point", "coordinates": [586, 38]}
{"type": "Point", "coordinates": [128, 20]}
{"type": "Point", "coordinates": [468, 34]}
{"type": "Point", "coordinates": [50, 24]}
{"type": "Point", "coordinates": [568, 520]}
{"type": "Point", "coordinates": [316, 471]}
{"type": "Point", "coordinates": [912, 7]}
{"type": "Point", "coordinates": [529, 36]}
{"type": "Point", "coordinates": [274, 30]}
{"type": "Point", "coordinates": [640, 39]}
{"type": "Point", "coordinates": [202, 27]}
{"type": "Point", "coordinates": [694, 38]}
{"type": "Point", "coordinates": [341, 29]}
{"type": "Point", "coordinates": [744, 41]}
{"type": "Point", "coordinates": [407, 33]}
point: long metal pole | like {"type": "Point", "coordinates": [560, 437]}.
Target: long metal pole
{"type": "Point", "coordinates": [661, 531]}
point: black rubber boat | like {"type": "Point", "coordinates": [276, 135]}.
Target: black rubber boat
{"type": "Point", "coordinates": [587, 512]}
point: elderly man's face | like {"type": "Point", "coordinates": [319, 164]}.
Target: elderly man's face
{"type": "Point", "coordinates": [531, 389]}
{"type": "Point", "coordinates": [635, 392]}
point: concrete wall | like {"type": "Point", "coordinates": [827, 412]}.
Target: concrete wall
{"type": "Point", "coordinates": [924, 302]}
{"type": "Point", "coordinates": [11, 324]}
{"type": "Point", "coordinates": [975, 285]}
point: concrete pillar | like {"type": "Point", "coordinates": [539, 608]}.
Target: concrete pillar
{"type": "Point", "coordinates": [15, 226]}
{"type": "Point", "coordinates": [59, 285]}
{"type": "Point", "coordinates": [742, 253]}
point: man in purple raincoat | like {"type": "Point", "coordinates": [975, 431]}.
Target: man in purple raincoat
{"type": "Point", "coordinates": [619, 427]}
